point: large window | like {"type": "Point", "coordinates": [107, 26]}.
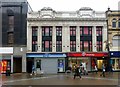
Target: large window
{"type": "Point", "coordinates": [58, 31]}
{"type": "Point", "coordinates": [114, 23]}
{"type": "Point", "coordinates": [99, 31]}
{"type": "Point", "coordinates": [34, 31]}
{"type": "Point", "coordinates": [99, 38]}
{"type": "Point", "coordinates": [47, 31]}
{"type": "Point", "coordinates": [86, 38]}
{"type": "Point", "coordinates": [47, 46]}
{"type": "Point", "coordinates": [11, 23]}
{"type": "Point", "coordinates": [34, 38]}
{"type": "Point", "coordinates": [72, 31]}
{"type": "Point", "coordinates": [72, 45]}
{"type": "Point", "coordinates": [99, 45]}
{"type": "Point", "coordinates": [86, 46]}
{"type": "Point", "coordinates": [58, 46]}
{"type": "Point", "coordinates": [59, 39]}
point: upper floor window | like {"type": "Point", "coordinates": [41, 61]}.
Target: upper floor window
{"type": "Point", "coordinates": [58, 31]}
{"type": "Point", "coordinates": [72, 45]}
{"type": "Point", "coordinates": [119, 23]}
{"type": "Point", "coordinates": [85, 30]}
{"type": "Point", "coordinates": [114, 23]}
{"type": "Point", "coordinates": [72, 31]}
{"type": "Point", "coordinates": [99, 45]}
{"type": "Point", "coordinates": [34, 30]}
{"type": "Point", "coordinates": [47, 31]}
{"type": "Point", "coordinates": [46, 46]}
{"type": "Point", "coordinates": [99, 31]}
{"type": "Point", "coordinates": [58, 46]}
{"type": "Point", "coordinates": [11, 23]}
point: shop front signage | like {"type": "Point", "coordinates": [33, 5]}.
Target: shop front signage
{"type": "Point", "coordinates": [86, 54]}
{"type": "Point", "coordinates": [46, 55]}
{"type": "Point", "coordinates": [115, 54]}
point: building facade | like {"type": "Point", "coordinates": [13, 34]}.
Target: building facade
{"type": "Point", "coordinates": [13, 14]}
{"type": "Point", "coordinates": [113, 18]}
{"type": "Point", "coordinates": [59, 39]}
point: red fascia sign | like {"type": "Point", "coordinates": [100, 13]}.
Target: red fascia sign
{"type": "Point", "coordinates": [84, 54]}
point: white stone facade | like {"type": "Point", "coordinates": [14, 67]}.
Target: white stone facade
{"type": "Point", "coordinates": [83, 17]}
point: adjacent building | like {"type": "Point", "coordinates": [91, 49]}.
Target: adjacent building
{"type": "Point", "coordinates": [59, 39]}
{"type": "Point", "coordinates": [113, 17]}
{"type": "Point", "coordinates": [13, 14]}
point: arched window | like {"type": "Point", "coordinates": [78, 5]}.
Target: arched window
{"type": "Point", "coordinates": [114, 23]}
{"type": "Point", "coordinates": [116, 40]}
{"type": "Point", "coordinates": [119, 23]}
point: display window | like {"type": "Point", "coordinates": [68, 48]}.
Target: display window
{"type": "Point", "coordinates": [60, 65]}
{"type": "Point", "coordinates": [75, 61]}
{"type": "Point", "coordinates": [115, 63]}
{"type": "Point", "coordinates": [4, 66]}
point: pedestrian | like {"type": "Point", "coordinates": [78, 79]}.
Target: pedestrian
{"type": "Point", "coordinates": [96, 69]}
{"type": "Point", "coordinates": [33, 70]}
{"type": "Point", "coordinates": [103, 70]}
{"type": "Point", "coordinates": [77, 73]}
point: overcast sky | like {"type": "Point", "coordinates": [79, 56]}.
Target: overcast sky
{"type": "Point", "coordinates": [74, 5]}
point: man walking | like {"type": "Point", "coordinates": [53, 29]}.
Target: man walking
{"type": "Point", "coordinates": [77, 73]}
{"type": "Point", "coordinates": [103, 70]}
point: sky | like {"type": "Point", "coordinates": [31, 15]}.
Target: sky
{"type": "Point", "coordinates": [74, 5]}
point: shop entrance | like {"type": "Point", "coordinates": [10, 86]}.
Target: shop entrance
{"type": "Point", "coordinates": [17, 64]}
{"type": "Point", "coordinates": [30, 62]}
{"type": "Point", "coordinates": [100, 62]}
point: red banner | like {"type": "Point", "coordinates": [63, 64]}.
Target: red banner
{"type": "Point", "coordinates": [87, 54]}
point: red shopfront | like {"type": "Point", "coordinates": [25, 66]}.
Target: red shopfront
{"type": "Point", "coordinates": [90, 58]}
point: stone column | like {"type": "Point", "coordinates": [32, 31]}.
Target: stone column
{"type": "Point", "coordinates": [29, 39]}
{"type": "Point", "coordinates": [65, 39]}
{"type": "Point", "coordinates": [39, 39]}
{"type": "Point", "coordinates": [94, 39]}
{"type": "Point", "coordinates": [54, 39]}
{"type": "Point", "coordinates": [24, 63]}
{"type": "Point", "coordinates": [77, 39]}
{"type": "Point", "coordinates": [104, 36]}
{"type": "Point", "coordinates": [11, 63]}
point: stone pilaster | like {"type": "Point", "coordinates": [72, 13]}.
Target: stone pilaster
{"type": "Point", "coordinates": [94, 39]}
{"type": "Point", "coordinates": [29, 39]}
{"type": "Point", "coordinates": [39, 39]}
{"type": "Point", "coordinates": [54, 39]}
{"type": "Point", "coordinates": [77, 39]}
{"type": "Point", "coordinates": [104, 36]}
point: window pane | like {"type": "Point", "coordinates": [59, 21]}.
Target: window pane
{"type": "Point", "coordinates": [85, 30]}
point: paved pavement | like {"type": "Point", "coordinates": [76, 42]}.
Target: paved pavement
{"type": "Point", "coordinates": [60, 79]}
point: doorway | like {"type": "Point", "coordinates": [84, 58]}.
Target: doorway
{"type": "Point", "coordinates": [17, 64]}
{"type": "Point", "coordinates": [30, 62]}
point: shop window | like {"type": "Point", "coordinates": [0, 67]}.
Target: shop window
{"type": "Point", "coordinates": [38, 64]}
{"type": "Point", "coordinates": [115, 63]}
{"type": "Point", "coordinates": [60, 65]}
